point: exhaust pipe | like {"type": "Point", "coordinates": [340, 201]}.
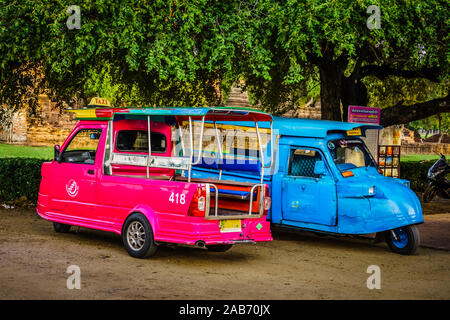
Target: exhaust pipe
{"type": "Point", "coordinates": [200, 244]}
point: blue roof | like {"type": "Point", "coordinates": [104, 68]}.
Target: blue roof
{"type": "Point", "coordinates": [309, 127]}
{"type": "Point", "coordinates": [315, 128]}
{"type": "Point", "coordinates": [211, 113]}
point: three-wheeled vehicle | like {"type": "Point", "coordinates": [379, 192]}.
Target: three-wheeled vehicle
{"type": "Point", "coordinates": [325, 180]}
{"type": "Point", "coordinates": [128, 171]}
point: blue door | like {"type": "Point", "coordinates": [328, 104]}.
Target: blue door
{"type": "Point", "coordinates": [308, 197]}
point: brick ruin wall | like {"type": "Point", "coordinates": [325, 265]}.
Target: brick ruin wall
{"type": "Point", "coordinates": [50, 128]}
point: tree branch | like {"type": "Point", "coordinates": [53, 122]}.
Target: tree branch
{"type": "Point", "coordinates": [382, 72]}
{"type": "Point", "coordinates": [400, 113]}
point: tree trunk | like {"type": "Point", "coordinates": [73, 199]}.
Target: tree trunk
{"type": "Point", "coordinates": [399, 114]}
{"type": "Point", "coordinates": [353, 92]}
{"type": "Point", "coordinates": [440, 128]}
{"type": "Point", "coordinates": [330, 91]}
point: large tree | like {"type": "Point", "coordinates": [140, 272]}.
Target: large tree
{"type": "Point", "coordinates": [145, 52]}
{"type": "Point", "coordinates": [179, 52]}
{"type": "Point", "coordinates": [335, 41]}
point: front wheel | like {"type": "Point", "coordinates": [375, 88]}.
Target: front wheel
{"type": "Point", "coordinates": [430, 193]}
{"type": "Point", "coordinates": [137, 236]}
{"type": "Point", "coordinates": [403, 240]}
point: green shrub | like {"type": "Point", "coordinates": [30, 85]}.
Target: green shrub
{"type": "Point", "coordinates": [416, 173]}
{"type": "Point", "coordinates": [20, 177]}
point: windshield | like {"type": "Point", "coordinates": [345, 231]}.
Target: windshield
{"type": "Point", "coordinates": [350, 153]}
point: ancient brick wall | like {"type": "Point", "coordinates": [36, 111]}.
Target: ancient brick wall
{"type": "Point", "coordinates": [425, 148]}
{"type": "Point", "coordinates": [16, 130]}
{"type": "Point", "coordinates": [50, 127]}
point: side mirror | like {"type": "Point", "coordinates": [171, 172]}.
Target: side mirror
{"type": "Point", "coordinates": [319, 168]}
{"type": "Point", "coordinates": [57, 153]}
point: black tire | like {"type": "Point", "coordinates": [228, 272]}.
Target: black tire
{"type": "Point", "coordinates": [142, 245]}
{"type": "Point", "coordinates": [219, 247]}
{"type": "Point", "coordinates": [408, 240]}
{"type": "Point", "coordinates": [429, 194]}
{"type": "Point", "coordinates": [60, 227]}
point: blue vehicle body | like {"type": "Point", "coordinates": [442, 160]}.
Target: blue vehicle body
{"type": "Point", "coordinates": [324, 200]}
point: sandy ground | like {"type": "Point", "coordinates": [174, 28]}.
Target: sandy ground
{"type": "Point", "coordinates": [34, 260]}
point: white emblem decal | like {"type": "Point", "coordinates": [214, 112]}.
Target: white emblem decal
{"type": "Point", "coordinates": [72, 188]}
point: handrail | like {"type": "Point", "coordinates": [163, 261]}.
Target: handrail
{"type": "Point", "coordinates": [216, 202]}
{"type": "Point", "coordinates": [261, 198]}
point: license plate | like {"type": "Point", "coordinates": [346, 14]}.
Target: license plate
{"type": "Point", "coordinates": [230, 225]}
{"type": "Point", "coordinates": [354, 132]}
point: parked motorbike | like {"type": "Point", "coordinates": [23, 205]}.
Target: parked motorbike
{"type": "Point", "coordinates": [439, 183]}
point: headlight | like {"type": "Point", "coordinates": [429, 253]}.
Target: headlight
{"type": "Point", "coordinates": [371, 190]}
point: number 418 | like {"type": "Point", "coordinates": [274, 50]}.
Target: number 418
{"type": "Point", "coordinates": [177, 198]}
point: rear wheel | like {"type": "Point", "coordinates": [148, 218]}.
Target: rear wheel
{"type": "Point", "coordinates": [219, 247]}
{"type": "Point", "coordinates": [60, 227]}
{"type": "Point", "coordinates": [403, 240]}
{"type": "Point", "coordinates": [137, 236]}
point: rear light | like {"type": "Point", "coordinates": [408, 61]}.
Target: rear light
{"type": "Point", "coordinates": [198, 203]}
{"type": "Point", "coordinates": [267, 203]}
{"type": "Point", "coordinates": [380, 171]}
{"type": "Point", "coordinates": [346, 174]}
{"type": "Point", "coordinates": [267, 199]}
{"type": "Point", "coordinates": [201, 203]}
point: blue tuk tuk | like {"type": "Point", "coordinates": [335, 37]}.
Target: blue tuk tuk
{"type": "Point", "coordinates": [325, 180]}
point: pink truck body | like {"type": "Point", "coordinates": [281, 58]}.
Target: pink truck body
{"type": "Point", "coordinates": [83, 194]}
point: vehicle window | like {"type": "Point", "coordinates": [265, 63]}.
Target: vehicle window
{"type": "Point", "coordinates": [350, 153]}
{"type": "Point", "coordinates": [137, 141]}
{"type": "Point", "coordinates": [83, 147]}
{"type": "Point", "coordinates": [302, 162]}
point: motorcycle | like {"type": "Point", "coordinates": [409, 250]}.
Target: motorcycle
{"type": "Point", "coordinates": [439, 183]}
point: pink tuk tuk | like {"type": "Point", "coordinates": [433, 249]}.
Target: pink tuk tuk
{"type": "Point", "coordinates": [128, 171]}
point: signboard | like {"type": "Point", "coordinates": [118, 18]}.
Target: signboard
{"type": "Point", "coordinates": [99, 102]}
{"type": "Point", "coordinates": [359, 114]}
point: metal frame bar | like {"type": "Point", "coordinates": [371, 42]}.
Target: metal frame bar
{"type": "Point", "coordinates": [261, 154]}
{"type": "Point", "coordinates": [220, 147]}
{"type": "Point", "coordinates": [200, 144]}
{"type": "Point", "coordinates": [191, 138]}
{"type": "Point", "coordinates": [149, 134]}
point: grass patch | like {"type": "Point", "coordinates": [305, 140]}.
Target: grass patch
{"type": "Point", "coordinates": [420, 157]}
{"type": "Point", "coordinates": [16, 151]}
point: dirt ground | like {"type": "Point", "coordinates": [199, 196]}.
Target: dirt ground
{"type": "Point", "coordinates": [34, 260]}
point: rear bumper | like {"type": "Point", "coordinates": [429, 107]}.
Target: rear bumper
{"type": "Point", "coordinates": [178, 229]}
{"type": "Point", "coordinates": [208, 231]}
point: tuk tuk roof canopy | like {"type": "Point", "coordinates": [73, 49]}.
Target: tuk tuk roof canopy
{"type": "Point", "coordinates": [316, 128]}
{"type": "Point", "coordinates": [210, 114]}
{"type": "Point", "coordinates": [312, 128]}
